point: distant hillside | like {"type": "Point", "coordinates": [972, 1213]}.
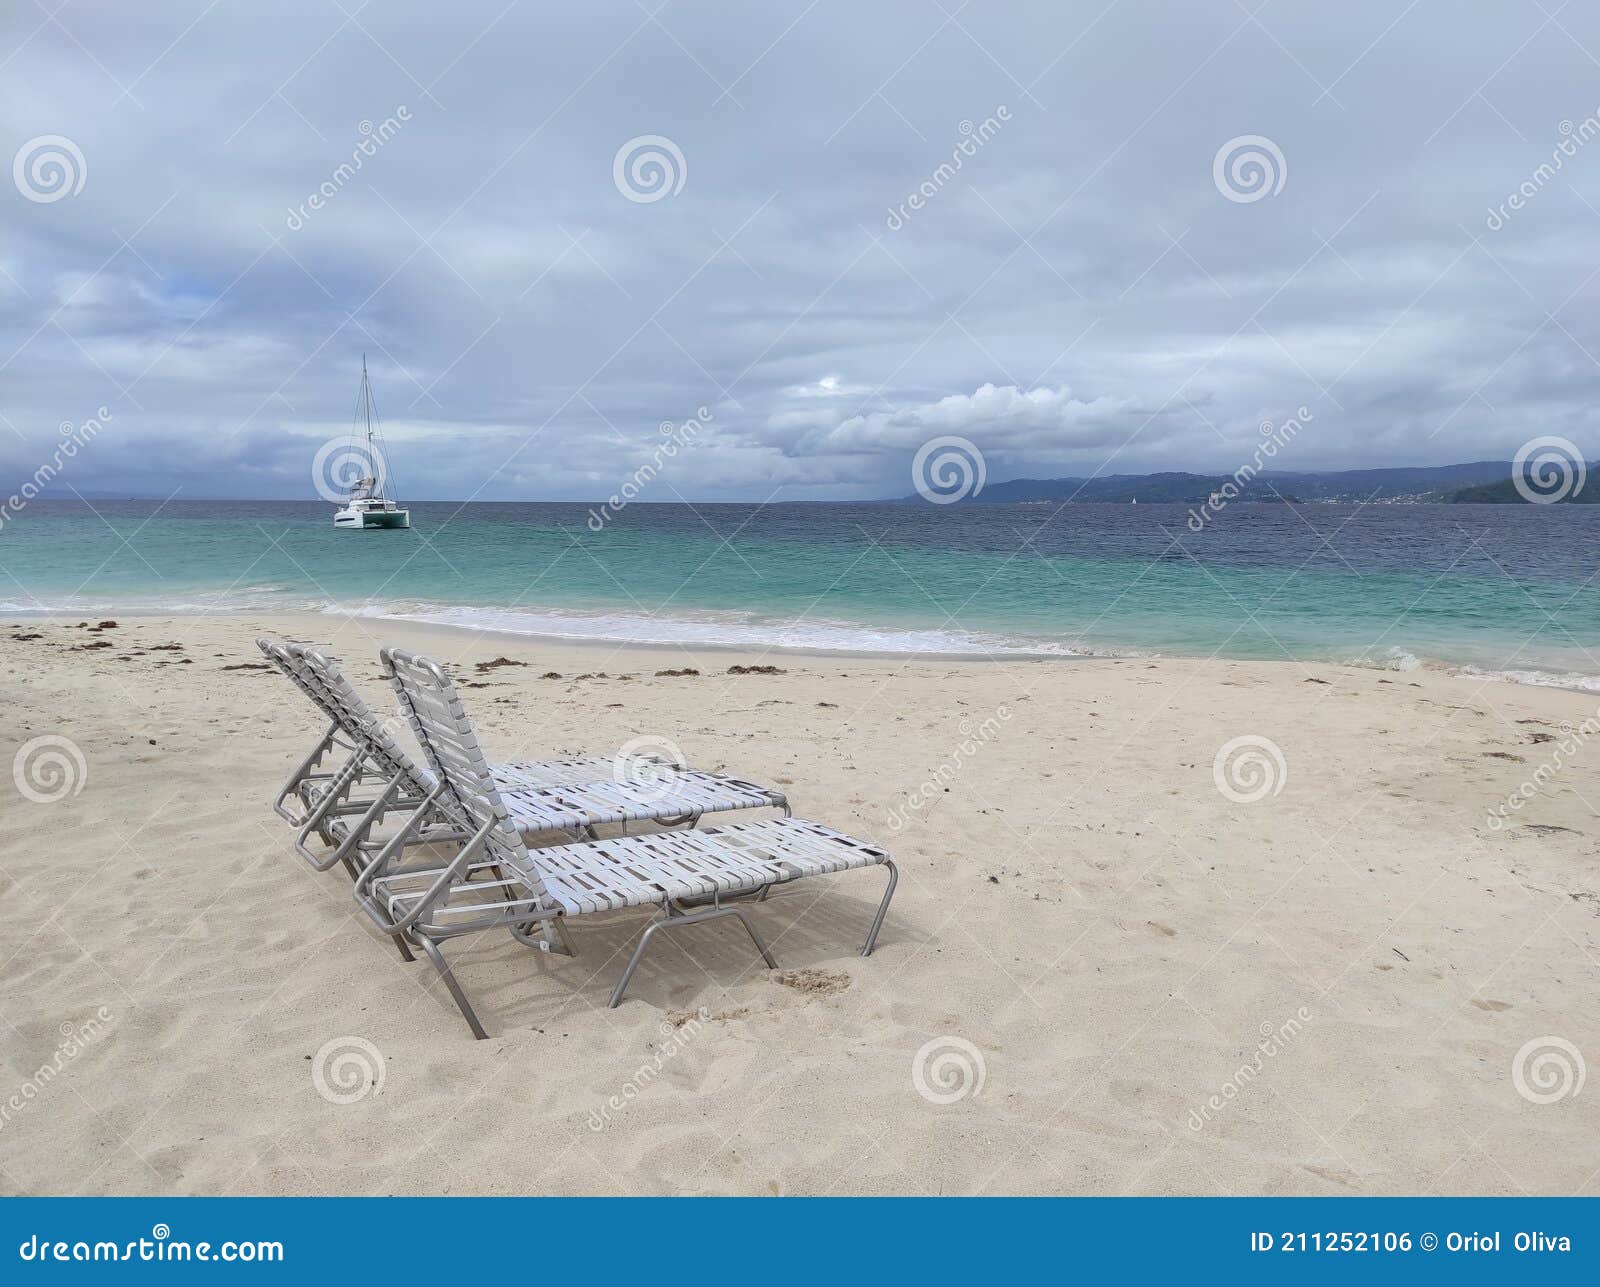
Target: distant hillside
{"type": "Point", "coordinates": [1428, 483]}
{"type": "Point", "coordinates": [1505, 492]}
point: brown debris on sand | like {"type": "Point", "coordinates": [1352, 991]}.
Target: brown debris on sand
{"type": "Point", "coordinates": [755, 670]}
{"type": "Point", "coordinates": [814, 982]}
{"type": "Point", "coordinates": [484, 666]}
{"type": "Point", "coordinates": [674, 674]}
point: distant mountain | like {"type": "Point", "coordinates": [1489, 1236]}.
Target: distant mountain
{"type": "Point", "coordinates": [1505, 492]}
{"type": "Point", "coordinates": [1426, 483]}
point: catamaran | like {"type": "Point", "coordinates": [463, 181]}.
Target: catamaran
{"type": "Point", "coordinates": [366, 505]}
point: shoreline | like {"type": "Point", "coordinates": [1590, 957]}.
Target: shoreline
{"type": "Point", "coordinates": [332, 620]}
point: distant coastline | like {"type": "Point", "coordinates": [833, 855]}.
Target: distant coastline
{"type": "Point", "coordinates": [1479, 482]}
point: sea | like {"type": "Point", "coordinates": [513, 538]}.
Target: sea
{"type": "Point", "coordinates": [1507, 590]}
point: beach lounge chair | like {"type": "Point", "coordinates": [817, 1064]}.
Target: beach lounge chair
{"type": "Point", "coordinates": [545, 797]}
{"type": "Point", "coordinates": [496, 879]}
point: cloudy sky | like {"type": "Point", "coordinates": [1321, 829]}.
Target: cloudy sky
{"type": "Point", "coordinates": [1139, 230]}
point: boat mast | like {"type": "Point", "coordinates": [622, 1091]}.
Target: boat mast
{"type": "Point", "coordinates": [374, 483]}
{"type": "Point", "coordinates": [366, 397]}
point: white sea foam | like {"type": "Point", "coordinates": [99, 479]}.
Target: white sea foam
{"type": "Point", "coordinates": [727, 630]}
{"type": "Point", "coordinates": [1539, 678]}
{"type": "Point", "coordinates": [1394, 658]}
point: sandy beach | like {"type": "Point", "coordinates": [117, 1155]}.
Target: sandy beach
{"type": "Point", "coordinates": [1136, 978]}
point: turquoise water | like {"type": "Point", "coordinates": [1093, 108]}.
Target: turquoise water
{"type": "Point", "coordinates": [1502, 588]}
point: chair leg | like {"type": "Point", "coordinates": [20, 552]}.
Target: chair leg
{"type": "Point", "coordinates": [673, 920]}
{"type": "Point", "coordinates": [400, 942]}
{"type": "Point", "coordinates": [883, 908]}
{"type": "Point", "coordinates": [437, 957]}
{"type": "Point", "coordinates": [744, 919]}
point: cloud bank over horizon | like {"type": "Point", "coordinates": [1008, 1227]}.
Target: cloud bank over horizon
{"type": "Point", "coordinates": [1092, 240]}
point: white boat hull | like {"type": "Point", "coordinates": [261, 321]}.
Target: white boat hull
{"type": "Point", "coordinates": [371, 518]}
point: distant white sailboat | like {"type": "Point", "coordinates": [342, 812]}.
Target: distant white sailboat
{"type": "Point", "coordinates": [367, 506]}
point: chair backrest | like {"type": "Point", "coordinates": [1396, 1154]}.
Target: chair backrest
{"type": "Point", "coordinates": [429, 700]}
{"type": "Point", "coordinates": [318, 675]}
{"type": "Point", "coordinates": [278, 655]}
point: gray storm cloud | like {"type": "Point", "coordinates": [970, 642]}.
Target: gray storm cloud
{"type": "Point", "coordinates": [252, 199]}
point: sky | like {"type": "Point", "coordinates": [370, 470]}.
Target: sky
{"type": "Point", "coordinates": [1087, 238]}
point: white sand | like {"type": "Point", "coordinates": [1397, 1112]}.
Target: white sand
{"type": "Point", "coordinates": [1082, 904]}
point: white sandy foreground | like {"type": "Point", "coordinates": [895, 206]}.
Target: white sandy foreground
{"type": "Point", "coordinates": [1135, 983]}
